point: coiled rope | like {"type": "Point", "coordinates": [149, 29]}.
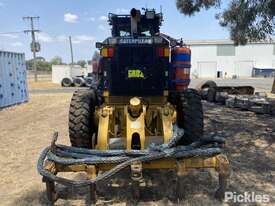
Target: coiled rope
{"type": "Point", "coordinates": [65, 155]}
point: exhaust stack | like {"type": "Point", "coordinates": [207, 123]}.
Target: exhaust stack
{"type": "Point", "coordinates": [135, 18]}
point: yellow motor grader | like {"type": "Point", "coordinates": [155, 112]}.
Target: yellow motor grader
{"type": "Point", "coordinates": [142, 95]}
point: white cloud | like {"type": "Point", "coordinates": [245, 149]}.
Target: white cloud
{"type": "Point", "coordinates": [91, 19]}
{"type": "Point", "coordinates": [17, 44]}
{"type": "Point", "coordinates": [103, 18]}
{"type": "Point", "coordinates": [122, 11]}
{"type": "Point", "coordinates": [44, 37]}
{"type": "Point", "coordinates": [85, 37]}
{"type": "Point", "coordinates": [102, 27]}
{"type": "Point", "coordinates": [12, 36]}
{"type": "Point", "coordinates": [62, 38]}
{"type": "Point", "coordinates": [70, 18]}
{"type": "Point", "coordinates": [82, 38]}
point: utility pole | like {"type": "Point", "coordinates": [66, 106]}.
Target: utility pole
{"type": "Point", "coordinates": [71, 47]}
{"type": "Point", "coordinates": [72, 55]}
{"type": "Point", "coordinates": [273, 87]}
{"type": "Point", "coordinates": [35, 46]}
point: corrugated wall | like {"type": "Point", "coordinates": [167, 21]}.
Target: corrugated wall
{"type": "Point", "coordinates": [13, 79]}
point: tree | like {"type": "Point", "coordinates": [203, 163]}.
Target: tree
{"type": "Point", "coordinates": [44, 66]}
{"type": "Point", "coordinates": [82, 63]}
{"type": "Point", "coordinates": [247, 20]}
{"type": "Point", "coordinates": [41, 64]}
{"type": "Point", "coordinates": [56, 60]}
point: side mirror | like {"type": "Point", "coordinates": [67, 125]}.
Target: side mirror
{"type": "Point", "coordinates": [98, 45]}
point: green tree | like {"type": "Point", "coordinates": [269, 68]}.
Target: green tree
{"type": "Point", "coordinates": [41, 64]}
{"type": "Point", "coordinates": [247, 20]}
{"type": "Point", "coordinates": [44, 66]}
{"type": "Point", "coordinates": [56, 60]}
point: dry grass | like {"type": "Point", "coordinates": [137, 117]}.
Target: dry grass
{"type": "Point", "coordinates": [42, 85]}
{"type": "Point", "coordinates": [25, 130]}
{"type": "Point", "coordinates": [44, 82]}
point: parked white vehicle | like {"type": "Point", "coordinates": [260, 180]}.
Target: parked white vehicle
{"type": "Point", "coordinates": [59, 72]}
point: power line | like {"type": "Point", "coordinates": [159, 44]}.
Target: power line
{"type": "Point", "coordinates": [12, 32]}
{"type": "Point", "coordinates": [35, 47]}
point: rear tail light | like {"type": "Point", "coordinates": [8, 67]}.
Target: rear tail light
{"type": "Point", "coordinates": [163, 52]}
{"type": "Point", "coordinates": [107, 52]}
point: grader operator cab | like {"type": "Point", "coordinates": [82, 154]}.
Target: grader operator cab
{"type": "Point", "coordinates": [142, 93]}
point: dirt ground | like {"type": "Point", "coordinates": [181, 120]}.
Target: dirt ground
{"type": "Point", "coordinates": [26, 129]}
{"type": "Point", "coordinates": [42, 85]}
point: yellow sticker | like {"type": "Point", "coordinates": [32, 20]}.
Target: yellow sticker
{"type": "Point", "coordinates": [136, 73]}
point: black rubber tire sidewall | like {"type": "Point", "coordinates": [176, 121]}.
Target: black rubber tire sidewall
{"type": "Point", "coordinates": [64, 84]}
{"type": "Point", "coordinates": [190, 115]}
{"type": "Point", "coordinates": [81, 119]}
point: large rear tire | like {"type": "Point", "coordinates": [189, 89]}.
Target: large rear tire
{"type": "Point", "coordinates": [82, 127]}
{"type": "Point", "coordinates": [190, 116]}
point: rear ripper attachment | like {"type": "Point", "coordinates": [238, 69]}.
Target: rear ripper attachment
{"type": "Point", "coordinates": [60, 158]}
{"type": "Point", "coordinates": [142, 94]}
{"type": "Point", "coordinates": [103, 162]}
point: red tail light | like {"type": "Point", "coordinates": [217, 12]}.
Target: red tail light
{"type": "Point", "coordinates": [111, 52]}
{"type": "Point", "coordinates": [107, 52]}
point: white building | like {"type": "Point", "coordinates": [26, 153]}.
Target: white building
{"type": "Point", "coordinates": [214, 58]}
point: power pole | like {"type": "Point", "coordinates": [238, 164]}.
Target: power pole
{"type": "Point", "coordinates": [35, 46]}
{"type": "Point", "coordinates": [71, 47]}
{"type": "Point", "coordinates": [273, 87]}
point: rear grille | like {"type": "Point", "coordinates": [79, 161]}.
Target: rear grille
{"type": "Point", "coordinates": [142, 58]}
{"type": "Point", "coordinates": [131, 56]}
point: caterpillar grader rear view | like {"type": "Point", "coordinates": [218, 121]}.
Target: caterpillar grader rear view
{"type": "Point", "coordinates": [142, 101]}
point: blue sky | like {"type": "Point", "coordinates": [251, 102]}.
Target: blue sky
{"type": "Point", "coordinates": [85, 21]}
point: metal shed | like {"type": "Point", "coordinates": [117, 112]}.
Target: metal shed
{"type": "Point", "coordinates": [13, 79]}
